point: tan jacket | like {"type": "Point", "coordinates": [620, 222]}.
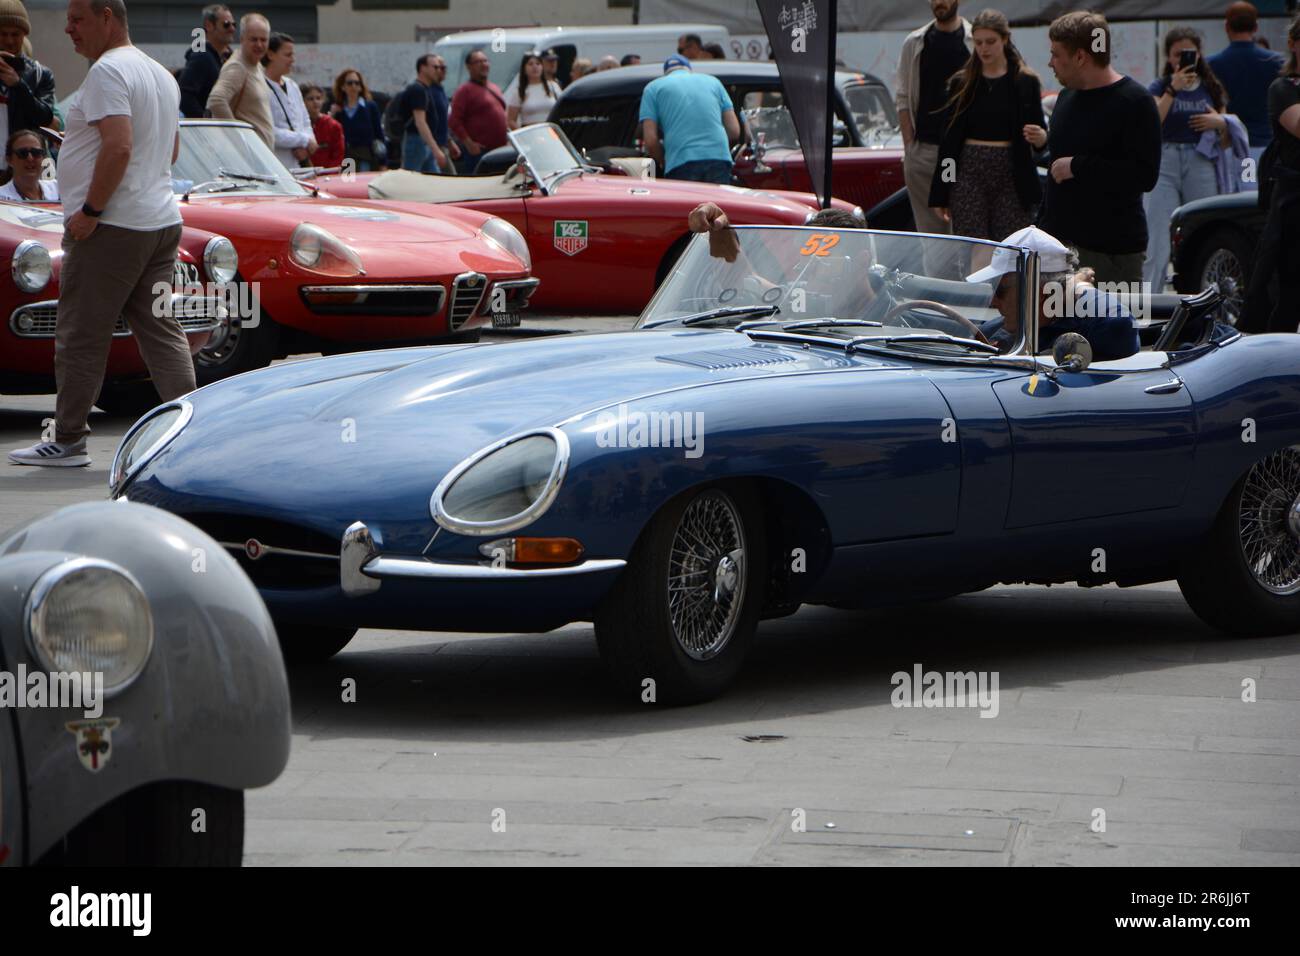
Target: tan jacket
{"type": "Point", "coordinates": [241, 93]}
{"type": "Point", "coordinates": [907, 85]}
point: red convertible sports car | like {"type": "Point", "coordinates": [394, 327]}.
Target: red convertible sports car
{"type": "Point", "coordinates": [600, 244]}
{"type": "Point", "coordinates": [30, 238]}
{"type": "Point", "coordinates": [317, 274]}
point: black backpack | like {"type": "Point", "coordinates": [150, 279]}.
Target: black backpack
{"type": "Point", "coordinates": [396, 117]}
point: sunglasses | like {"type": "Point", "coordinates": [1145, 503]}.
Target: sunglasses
{"type": "Point", "coordinates": [351, 82]}
{"type": "Point", "coordinates": [227, 23]}
{"type": "Point", "coordinates": [29, 152]}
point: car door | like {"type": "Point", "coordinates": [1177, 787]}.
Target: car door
{"type": "Point", "coordinates": [1117, 438]}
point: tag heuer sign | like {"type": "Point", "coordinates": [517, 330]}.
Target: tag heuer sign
{"type": "Point", "coordinates": [570, 235]}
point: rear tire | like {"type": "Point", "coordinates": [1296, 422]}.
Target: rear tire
{"type": "Point", "coordinates": [1225, 257]}
{"type": "Point", "coordinates": [154, 826]}
{"type": "Point", "coordinates": [684, 611]}
{"type": "Point", "coordinates": [1244, 578]}
{"type": "Point", "coordinates": [302, 644]}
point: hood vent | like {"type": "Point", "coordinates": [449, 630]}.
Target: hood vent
{"type": "Point", "coordinates": [750, 357]}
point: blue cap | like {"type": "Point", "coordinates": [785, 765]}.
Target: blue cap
{"type": "Point", "coordinates": [675, 61]}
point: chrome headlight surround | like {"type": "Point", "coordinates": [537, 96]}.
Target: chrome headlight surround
{"type": "Point", "coordinates": [32, 267]}
{"type": "Point", "coordinates": [120, 473]}
{"type": "Point", "coordinates": [57, 653]}
{"type": "Point", "coordinates": [534, 510]}
{"type": "Point", "coordinates": [503, 234]}
{"type": "Point", "coordinates": [313, 247]}
{"type": "Point", "coordinates": [220, 260]}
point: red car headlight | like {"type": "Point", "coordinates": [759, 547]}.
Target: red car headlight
{"type": "Point", "coordinates": [319, 250]}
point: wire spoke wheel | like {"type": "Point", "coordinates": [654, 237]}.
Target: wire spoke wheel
{"type": "Point", "coordinates": [1225, 269]}
{"type": "Point", "coordinates": [1269, 522]}
{"type": "Point", "coordinates": [706, 576]}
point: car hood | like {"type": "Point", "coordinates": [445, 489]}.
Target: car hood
{"type": "Point", "coordinates": [369, 436]}
{"type": "Point", "coordinates": [357, 222]}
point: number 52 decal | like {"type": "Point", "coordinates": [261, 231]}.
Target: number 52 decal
{"type": "Point", "coordinates": [819, 244]}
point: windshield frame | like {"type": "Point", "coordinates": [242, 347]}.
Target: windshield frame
{"type": "Point", "coordinates": [276, 190]}
{"type": "Point", "coordinates": [547, 185]}
{"type": "Point", "coordinates": [1025, 350]}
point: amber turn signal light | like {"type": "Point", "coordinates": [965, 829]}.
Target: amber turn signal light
{"type": "Point", "coordinates": [533, 550]}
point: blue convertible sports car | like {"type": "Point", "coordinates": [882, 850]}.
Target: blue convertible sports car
{"type": "Point", "coordinates": [819, 418]}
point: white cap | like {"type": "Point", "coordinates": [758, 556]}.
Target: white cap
{"type": "Point", "coordinates": [1053, 256]}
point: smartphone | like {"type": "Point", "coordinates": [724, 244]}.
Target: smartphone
{"type": "Point", "coordinates": [1187, 59]}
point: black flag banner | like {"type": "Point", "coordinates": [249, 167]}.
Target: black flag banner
{"type": "Point", "coordinates": [802, 34]}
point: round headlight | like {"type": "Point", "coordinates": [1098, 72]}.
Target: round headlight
{"type": "Point", "coordinates": [510, 239]}
{"type": "Point", "coordinates": [31, 266]}
{"type": "Point", "coordinates": [146, 438]}
{"type": "Point", "coordinates": [503, 487]}
{"type": "Point", "coordinates": [318, 249]}
{"type": "Point", "coordinates": [220, 260]}
{"type": "Point", "coordinates": [90, 615]}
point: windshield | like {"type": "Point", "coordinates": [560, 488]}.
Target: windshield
{"type": "Point", "coordinates": [217, 158]}
{"type": "Point", "coordinates": [503, 55]}
{"type": "Point", "coordinates": [772, 125]}
{"type": "Point", "coordinates": [547, 151]}
{"type": "Point", "coordinates": [873, 112]}
{"type": "Point", "coordinates": [849, 283]}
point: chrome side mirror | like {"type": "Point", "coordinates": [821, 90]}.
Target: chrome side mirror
{"type": "Point", "coordinates": [1071, 353]}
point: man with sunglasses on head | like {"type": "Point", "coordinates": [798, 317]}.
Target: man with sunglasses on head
{"type": "Point", "coordinates": [203, 66]}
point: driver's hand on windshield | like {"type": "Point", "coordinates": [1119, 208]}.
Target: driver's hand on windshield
{"type": "Point", "coordinates": [723, 242]}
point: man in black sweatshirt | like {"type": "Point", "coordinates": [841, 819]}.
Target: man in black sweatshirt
{"type": "Point", "coordinates": [1104, 150]}
{"type": "Point", "coordinates": [204, 58]}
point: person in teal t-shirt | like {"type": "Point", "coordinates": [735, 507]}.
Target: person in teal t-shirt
{"type": "Point", "coordinates": [689, 124]}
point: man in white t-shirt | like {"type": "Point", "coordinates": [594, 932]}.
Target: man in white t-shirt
{"type": "Point", "coordinates": [121, 226]}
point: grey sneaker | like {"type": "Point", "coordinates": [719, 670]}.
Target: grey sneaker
{"type": "Point", "coordinates": [51, 454]}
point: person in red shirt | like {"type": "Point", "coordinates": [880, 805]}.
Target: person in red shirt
{"type": "Point", "coordinates": [326, 129]}
{"type": "Point", "coordinates": [478, 111]}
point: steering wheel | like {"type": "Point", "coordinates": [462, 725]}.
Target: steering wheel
{"type": "Point", "coordinates": [939, 307]}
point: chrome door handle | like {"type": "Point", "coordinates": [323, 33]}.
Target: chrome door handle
{"type": "Point", "coordinates": [1164, 388]}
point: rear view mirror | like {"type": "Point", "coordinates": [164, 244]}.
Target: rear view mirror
{"type": "Point", "coordinates": [1071, 352]}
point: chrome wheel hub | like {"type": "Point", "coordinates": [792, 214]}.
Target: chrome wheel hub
{"type": "Point", "coordinates": [1269, 522]}
{"type": "Point", "coordinates": [706, 576]}
{"type": "Point", "coordinates": [1223, 269]}
{"type": "Point", "coordinates": [221, 345]}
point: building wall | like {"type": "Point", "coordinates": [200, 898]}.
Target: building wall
{"type": "Point", "coordinates": [342, 23]}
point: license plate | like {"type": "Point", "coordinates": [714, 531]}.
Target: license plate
{"type": "Point", "coordinates": [507, 320]}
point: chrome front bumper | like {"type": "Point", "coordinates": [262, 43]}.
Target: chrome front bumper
{"type": "Point", "coordinates": [362, 569]}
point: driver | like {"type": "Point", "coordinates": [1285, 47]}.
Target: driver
{"type": "Point", "coordinates": [1068, 301]}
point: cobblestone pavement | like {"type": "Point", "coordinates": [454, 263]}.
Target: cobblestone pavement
{"type": "Point", "coordinates": [504, 749]}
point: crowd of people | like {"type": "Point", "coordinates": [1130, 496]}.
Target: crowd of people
{"type": "Point", "coordinates": [1120, 157]}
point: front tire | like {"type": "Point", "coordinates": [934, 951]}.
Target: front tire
{"type": "Point", "coordinates": [303, 644]}
{"type": "Point", "coordinates": [154, 825]}
{"type": "Point", "coordinates": [235, 349]}
{"type": "Point", "coordinates": [684, 611]}
{"type": "Point", "coordinates": [1245, 577]}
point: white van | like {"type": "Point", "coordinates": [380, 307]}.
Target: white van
{"type": "Point", "coordinates": [506, 48]}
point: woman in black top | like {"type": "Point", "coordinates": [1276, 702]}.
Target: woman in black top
{"type": "Point", "coordinates": [985, 152]}
{"type": "Point", "coordinates": [1279, 188]}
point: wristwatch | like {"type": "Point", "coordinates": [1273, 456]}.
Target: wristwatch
{"type": "Point", "coordinates": [91, 211]}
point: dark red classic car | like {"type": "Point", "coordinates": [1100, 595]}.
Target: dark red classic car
{"type": "Point", "coordinates": [30, 238]}
{"type": "Point", "coordinates": [337, 275]}
{"type": "Point", "coordinates": [601, 112]}
{"type": "Point", "coordinates": [600, 244]}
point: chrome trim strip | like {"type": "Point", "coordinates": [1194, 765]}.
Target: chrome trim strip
{"type": "Point", "coordinates": [382, 567]}
{"type": "Point", "coordinates": [360, 289]}
{"type": "Point", "coordinates": [187, 412]}
{"type": "Point", "coordinates": [268, 549]}
{"type": "Point", "coordinates": [530, 514]}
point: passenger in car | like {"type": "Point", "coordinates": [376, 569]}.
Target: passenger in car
{"type": "Point", "coordinates": [1069, 300]}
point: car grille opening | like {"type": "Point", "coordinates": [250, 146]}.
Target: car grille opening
{"type": "Point", "coordinates": [467, 293]}
{"type": "Point", "coordinates": [40, 319]}
{"type": "Point", "coordinates": [314, 565]}
{"type": "Point", "coordinates": [419, 299]}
